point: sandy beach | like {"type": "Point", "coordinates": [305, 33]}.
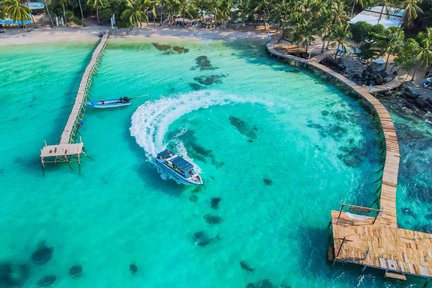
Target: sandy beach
{"type": "Point", "coordinates": [72, 34]}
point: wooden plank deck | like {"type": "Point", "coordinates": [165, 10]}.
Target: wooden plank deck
{"type": "Point", "coordinates": [359, 239]}
{"type": "Point", "coordinates": [381, 246]}
{"type": "Point", "coordinates": [67, 146]}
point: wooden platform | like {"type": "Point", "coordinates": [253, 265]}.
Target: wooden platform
{"type": "Point", "coordinates": [67, 147]}
{"type": "Point", "coordinates": [381, 246]}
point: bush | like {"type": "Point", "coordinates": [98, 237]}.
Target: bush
{"type": "Point", "coordinates": [360, 31]}
{"type": "Point", "coordinates": [105, 14]}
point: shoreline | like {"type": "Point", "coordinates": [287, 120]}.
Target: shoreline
{"type": "Point", "coordinates": [85, 34]}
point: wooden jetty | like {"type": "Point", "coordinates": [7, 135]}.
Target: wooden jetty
{"type": "Point", "coordinates": [68, 148]}
{"type": "Point", "coordinates": [363, 235]}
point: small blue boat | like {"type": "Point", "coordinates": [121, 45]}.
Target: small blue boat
{"type": "Point", "coordinates": [178, 167]}
{"type": "Point", "coordinates": [112, 103]}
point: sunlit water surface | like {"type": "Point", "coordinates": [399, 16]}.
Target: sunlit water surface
{"type": "Point", "coordinates": [278, 146]}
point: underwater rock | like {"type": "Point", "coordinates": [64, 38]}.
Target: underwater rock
{"type": "Point", "coordinates": [215, 202]}
{"type": "Point", "coordinates": [195, 86]}
{"type": "Point", "coordinates": [261, 284]}
{"type": "Point", "coordinates": [193, 198]}
{"type": "Point", "coordinates": [212, 219]}
{"type": "Point", "coordinates": [201, 238]}
{"type": "Point", "coordinates": [325, 113]}
{"type": "Point", "coordinates": [209, 80]}
{"type": "Point", "coordinates": [46, 280]}
{"type": "Point", "coordinates": [203, 63]}
{"type": "Point", "coordinates": [180, 49]}
{"type": "Point", "coordinates": [246, 266]}
{"type": "Point", "coordinates": [352, 156]}
{"type": "Point", "coordinates": [133, 268]}
{"type": "Point", "coordinates": [12, 275]}
{"type": "Point", "coordinates": [267, 181]}
{"type": "Point", "coordinates": [295, 71]}
{"type": "Point", "coordinates": [42, 255]}
{"type": "Point", "coordinates": [75, 271]}
{"type": "Point", "coordinates": [161, 47]}
{"type": "Point", "coordinates": [428, 217]}
{"type": "Point", "coordinates": [243, 127]}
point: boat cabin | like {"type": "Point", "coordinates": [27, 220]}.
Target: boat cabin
{"type": "Point", "coordinates": [176, 163]}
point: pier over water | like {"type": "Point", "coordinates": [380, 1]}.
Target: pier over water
{"type": "Point", "coordinates": [364, 235]}
{"type": "Point", "coordinates": [68, 147]}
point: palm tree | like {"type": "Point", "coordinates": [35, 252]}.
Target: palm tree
{"type": "Point", "coordinates": [386, 4]}
{"type": "Point", "coordinates": [304, 32]}
{"type": "Point", "coordinates": [262, 8]}
{"type": "Point", "coordinates": [361, 3]}
{"type": "Point", "coordinates": [64, 3]}
{"type": "Point", "coordinates": [407, 57]}
{"type": "Point", "coordinates": [425, 52]}
{"type": "Point", "coordinates": [48, 12]}
{"type": "Point", "coordinates": [185, 9]}
{"type": "Point", "coordinates": [82, 14]}
{"type": "Point", "coordinates": [96, 5]}
{"type": "Point", "coordinates": [281, 14]}
{"type": "Point", "coordinates": [244, 10]}
{"type": "Point", "coordinates": [134, 13]}
{"type": "Point", "coordinates": [17, 11]}
{"type": "Point", "coordinates": [340, 33]}
{"type": "Point", "coordinates": [411, 11]}
{"type": "Point", "coordinates": [395, 37]}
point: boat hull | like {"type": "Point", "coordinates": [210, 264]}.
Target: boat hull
{"type": "Point", "coordinates": [107, 104]}
{"type": "Point", "coordinates": [177, 175]}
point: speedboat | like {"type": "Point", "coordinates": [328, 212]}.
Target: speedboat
{"type": "Point", "coordinates": [178, 167]}
{"type": "Point", "coordinates": [113, 103]}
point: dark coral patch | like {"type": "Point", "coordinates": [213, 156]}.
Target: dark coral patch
{"type": "Point", "coordinates": [209, 80]}
{"type": "Point", "coordinates": [212, 219]}
{"type": "Point", "coordinates": [193, 198]}
{"type": "Point", "coordinates": [204, 63]}
{"type": "Point", "coordinates": [215, 202]}
{"type": "Point", "coordinates": [243, 127]}
{"type": "Point", "coordinates": [133, 268]}
{"type": "Point", "coordinates": [13, 275]}
{"type": "Point", "coordinates": [161, 47]}
{"type": "Point", "coordinates": [195, 86]}
{"type": "Point", "coordinates": [42, 255]}
{"type": "Point", "coordinates": [180, 49]}
{"type": "Point", "coordinates": [75, 271]}
{"type": "Point", "coordinates": [267, 181]}
{"type": "Point", "coordinates": [47, 281]}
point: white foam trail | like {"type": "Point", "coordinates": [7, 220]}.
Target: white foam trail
{"type": "Point", "coordinates": [150, 122]}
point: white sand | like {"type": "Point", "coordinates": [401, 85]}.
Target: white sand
{"type": "Point", "coordinates": [69, 34]}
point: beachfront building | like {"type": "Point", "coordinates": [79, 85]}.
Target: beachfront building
{"type": "Point", "coordinates": [384, 15]}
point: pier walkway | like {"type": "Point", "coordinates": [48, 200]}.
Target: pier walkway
{"type": "Point", "coordinates": [68, 147]}
{"type": "Point", "coordinates": [363, 235]}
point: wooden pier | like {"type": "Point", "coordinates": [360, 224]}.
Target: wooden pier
{"type": "Point", "coordinates": [68, 148]}
{"type": "Point", "coordinates": [363, 235]}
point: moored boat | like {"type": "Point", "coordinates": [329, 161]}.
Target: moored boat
{"type": "Point", "coordinates": [112, 103]}
{"type": "Point", "coordinates": [178, 167]}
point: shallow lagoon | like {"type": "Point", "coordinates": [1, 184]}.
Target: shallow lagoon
{"type": "Point", "coordinates": [278, 146]}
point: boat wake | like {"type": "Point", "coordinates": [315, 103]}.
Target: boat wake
{"type": "Point", "coordinates": [150, 122]}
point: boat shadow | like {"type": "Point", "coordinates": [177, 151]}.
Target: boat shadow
{"type": "Point", "coordinates": [148, 171]}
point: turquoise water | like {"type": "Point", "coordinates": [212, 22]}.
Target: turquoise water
{"type": "Point", "coordinates": [278, 146]}
{"type": "Point", "coordinates": [414, 191]}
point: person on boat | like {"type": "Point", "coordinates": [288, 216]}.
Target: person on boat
{"type": "Point", "coordinates": [102, 101]}
{"type": "Point", "coordinates": [125, 99]}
